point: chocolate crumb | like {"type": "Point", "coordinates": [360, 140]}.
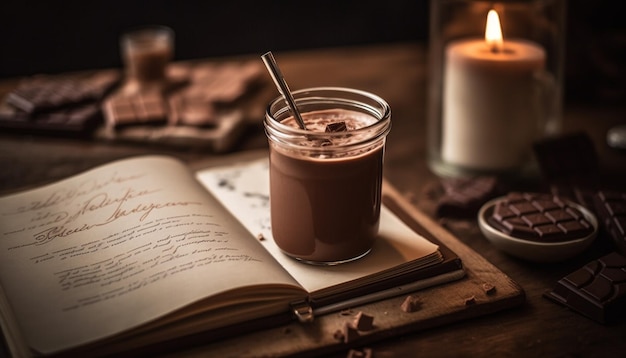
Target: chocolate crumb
{"type": "Point", "coordinates": [338, 335]}
{"type": "Point", "coordinates": [336, 127]}
{"type": "Point", "coordinates": [355, 353]}
{"type": "Point", "coordinates": [260, 237]}
{"type": "Point", "coordinates": [363, 322]}
{"type": "Point", "coordinates": [349, 333]}
{"type": "Point", "coordinates": [489, 288]}
{"type": "Point", "coordinates": [470, 300]}
{"type": "Point", "coordinates": [411, 304]}
{"type": "Point", "coordinates": [346, 312]}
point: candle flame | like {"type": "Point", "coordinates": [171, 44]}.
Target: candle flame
{"type": "Point", "coordinates": [493, 32]}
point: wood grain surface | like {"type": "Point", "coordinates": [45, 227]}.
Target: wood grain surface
{"type": "Point", "coordinates": [398, 73]}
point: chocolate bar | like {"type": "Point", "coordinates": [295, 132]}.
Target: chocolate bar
{"type": "Point", "coordinates": [47, 92]}
{"type": "Point", "coordinates": [188, 111]}
{"type": "Point", "coordinates": [569, 164]}
{"type": "Point", "coordinates": [134, 109]}
{"type": "Point", "coordinates": [611, 210]}
{"type": "Point", "coordinates": [75, 121]}
{"type": "Point", "coordinates": [464, 196]}
{"type": "Point", "coordinates": [539, 217]}
{"type": "Point", "coordinates": [224, 83]}
{"type": "Point", "coordinates": [597, 290]}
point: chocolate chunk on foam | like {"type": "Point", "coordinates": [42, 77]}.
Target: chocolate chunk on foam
{"type": "Point", "coordinates": [336, 127]}
{"type": "Point", "coordinates": [539, 217]}
{"type": "Point", "coordinates": [596, 290]}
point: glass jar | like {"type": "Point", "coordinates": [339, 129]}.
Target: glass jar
{"type": "Point", "coordinates": [326, 181]}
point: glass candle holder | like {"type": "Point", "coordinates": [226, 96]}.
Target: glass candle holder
{"type": "Point", "coordinates": [495, 86]}
{"type": "Point", "coordinates": [146, 52]}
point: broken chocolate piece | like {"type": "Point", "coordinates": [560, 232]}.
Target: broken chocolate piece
{"type": "Point", "coordinates": [363, 322]}
{"type": "Point", "coordinates": [539, 217]}
{"type": "Point", "coordinates": [611, 210]}
{"type": "Point", "coordinates": [470, 300]}
{"type": "Point", "coordinates": [463, 197]}
{"type": "Point", "coordinates": [597, 290]}
{"type": "Point", "coordinates": [223, 83]}
{"type": "Point", "coordinates": [411, 304]}
{"type": "Point", "coordinates": [135, 109]}
{"type": "Point", "coordinates": [349, 333]}
{"type": "Point", "coordinates": [336, 127]}
{"type": "Point", "coordinates": [489, 288]}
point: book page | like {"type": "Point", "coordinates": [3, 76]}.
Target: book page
{"type": "Point", "coordinates": [244, 189]}
{"type": "Point", "coordinates": [119, 246]}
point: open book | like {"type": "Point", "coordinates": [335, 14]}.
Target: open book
{"type": "Point", "coordinates": [143, 250]}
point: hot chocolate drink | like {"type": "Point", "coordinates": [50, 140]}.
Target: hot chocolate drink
{"type": "Point", "coordinates": [325, 199]}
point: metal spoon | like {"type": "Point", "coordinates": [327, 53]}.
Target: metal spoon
{"type": "Point", "coordinates": [281, 84]}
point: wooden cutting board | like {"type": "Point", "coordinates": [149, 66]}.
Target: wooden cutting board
{"type": "Point", "coordinates": [440, 305]}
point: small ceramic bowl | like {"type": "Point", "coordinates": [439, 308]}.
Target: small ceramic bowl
{"type": "Point", "coordinates": [534, 250]}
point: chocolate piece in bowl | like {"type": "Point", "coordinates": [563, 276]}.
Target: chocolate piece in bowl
{"type": "Point", "coordinates": [538, 227]}
{"type": "Point", "coordinates": [540, 217]}
{"type": "Point", "coordinates": [596, 290]}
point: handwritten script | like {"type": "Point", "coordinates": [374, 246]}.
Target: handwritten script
{"type": "Point", "coordinates": [97, 209]}
{"type": "Point", "coordinates": [103, 237]}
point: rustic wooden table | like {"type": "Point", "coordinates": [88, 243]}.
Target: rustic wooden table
{"type": "Point", "coordinates": [399, 74]}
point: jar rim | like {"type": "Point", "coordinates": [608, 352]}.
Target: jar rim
{"type": "Point", "coordinates": [330, 97]}
{"type": "Point", "coordinates": [384, 114]}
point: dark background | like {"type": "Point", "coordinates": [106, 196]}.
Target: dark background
{"type": "Point", "coordinates": [59, 36]}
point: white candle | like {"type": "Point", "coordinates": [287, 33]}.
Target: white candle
{"type": "Point", "coordinates": [490, 101]}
